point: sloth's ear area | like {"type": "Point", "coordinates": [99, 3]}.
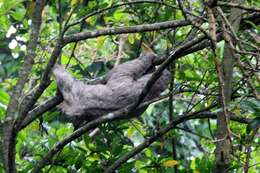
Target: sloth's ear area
{"type": "Point", "coordinates": [148, 57]}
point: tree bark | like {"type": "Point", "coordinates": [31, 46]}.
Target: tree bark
{"type": "Point", "coordinates": [10, 132]}
{"type": "Point", "coordinates": [223, 146]}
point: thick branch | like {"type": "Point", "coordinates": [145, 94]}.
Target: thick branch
{"type": "Point", "coordinates": [123, 30]}
{"type": "Point", "coordinates": [39, 110]}
{"type": "Point", "coordinates": [144, 28]}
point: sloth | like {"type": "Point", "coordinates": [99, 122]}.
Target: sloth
{"type": "Point", "coordinates": [122, 87]}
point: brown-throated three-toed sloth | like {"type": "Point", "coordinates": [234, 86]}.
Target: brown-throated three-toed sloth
{"type": "Point", "coordinates": [122, 87]}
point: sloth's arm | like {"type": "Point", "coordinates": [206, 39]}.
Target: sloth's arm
{"type": "Point", "coordinates": [133, 69]}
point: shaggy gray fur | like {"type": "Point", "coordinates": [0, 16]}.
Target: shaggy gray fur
{"type": "Point", "coordinates": [122, 87]}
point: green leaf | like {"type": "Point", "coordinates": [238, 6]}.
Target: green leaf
{"type": "Point", "coordinates": [251, 105]}
{"type": "Point", "coordinates": [10, 4]}
{"type": "Point", "coordinates": [5, 24]}
{"type": "Point", "coordinates": [130, 132]}
{"type": "Point", "coordinates": [118, 15]}
{"type": "Point", "coordinates": [4, 97]}
{"type": "Point", "coordinates": [73, 2]}
{"type": "Point", "coordinates": [170, 163]}
{"type": "Point", "coordinates": [100, 41]}
{"type": "Point", "coordinates": [131, 38]}
{"type": "Point", "coordinates": [2, 112]}
{"type": "Point", "coordinates": [253, 124]}
{"type": "Point", "coordinates": [18, 13]}
{"type": "Point", "coordinates": [148, 153]}
{"type": "Point", "coordinates": [138, 36]}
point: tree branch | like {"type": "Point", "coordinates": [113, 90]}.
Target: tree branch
{"type": "Point", "coordinates": [124, 30]}
{"type": "Point", "coordinates": [160, 133]}
{"type": "Point", "coordinates": [120, 114]}
{"type": "Point", "coordinates": [32, 97]}
{"type": "Point", "coordinates": [39, 110]}
{"type": "Point", "coordinates": [237, 5]}
{"type": "Point", "coordinates": [111, 117]}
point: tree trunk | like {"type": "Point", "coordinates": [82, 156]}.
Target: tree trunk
{"type": "Point", "coordinates": [9, 147]}
{"type": "Point", "coordinates": [223, 146]}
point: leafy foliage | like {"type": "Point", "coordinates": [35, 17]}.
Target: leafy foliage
{"type": "Point", "coordinates": [195, 88]}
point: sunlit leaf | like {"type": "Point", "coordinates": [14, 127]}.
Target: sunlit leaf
{"type": "Point", "coordinates": [4, 97]}
{"type": "Point", "coordinates": [74, 2]}
{"type": "Point", "coordinates": [130, 132]}
{"type": "Point", "coordinates": [100, 41]}
{"type": "Point", "coordinates": [138, 36]}
{"type": "Point", "coordinates": [118, 14]}
{"type": "Point", "coordinates": [148, 153]}
{"type": "Point", "coordinates": [131, 38]}
{"type": "Point", "coordinates": [170, 163]}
